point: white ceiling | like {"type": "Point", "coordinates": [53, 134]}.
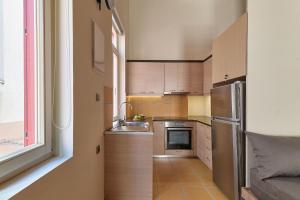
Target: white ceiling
{"type": "Point", "coordinates": [178, 29]}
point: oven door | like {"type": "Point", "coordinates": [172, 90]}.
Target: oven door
{"type": "Point", "coordinates": [179, 138]}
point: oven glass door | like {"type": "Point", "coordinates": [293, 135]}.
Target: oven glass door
{"type": "Point", "coordinates": [179, 138]}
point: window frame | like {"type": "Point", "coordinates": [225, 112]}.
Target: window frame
{"type": "Point", "coordinates": [31, 155]}
{"type": "Point", "coordinates": [116, 52]}
{"type": "Point", "coordinates": [1, 47]}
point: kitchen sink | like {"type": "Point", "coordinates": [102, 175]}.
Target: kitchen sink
{"type": "Point", "coordinates": [131, 126]}
{"type": "Point", "coordinates": [139, 124]}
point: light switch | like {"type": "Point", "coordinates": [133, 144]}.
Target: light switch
{"type": "Point", "coordinates": [98, 98]}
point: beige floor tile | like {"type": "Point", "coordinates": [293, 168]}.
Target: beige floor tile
{"type": "Point", "coordinates": [167, 178]}
{"type": "Point", "coordinates": [216, 193]}
{"type": "Point", "coordinates": [189, 178]}
{"type": "Point", "coordinates": [170, 191]}
{"type": "Point", "coordinates": [207, 181]}
{"type": "Point", "coordinates": [184, 179]}
{"type": "Point", "coordinates": [194, 193]}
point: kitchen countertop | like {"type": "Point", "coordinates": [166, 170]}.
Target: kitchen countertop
{"type": "Point", "coordinates": [112, 132]}
{"type": "Point", "coordinates": [202, 119]}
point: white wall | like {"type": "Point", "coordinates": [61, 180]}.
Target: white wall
{"type": "Point", "coordinates": [12, 92]}
{"type": "Point", "coordinates": [273, 88]}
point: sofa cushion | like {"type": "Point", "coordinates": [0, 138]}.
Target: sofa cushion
{"type": "Point", "coordinates": [275, 155]}
{"type": "Point", "coordinates": [279, 188]}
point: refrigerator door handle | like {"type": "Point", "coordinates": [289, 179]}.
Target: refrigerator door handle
{"type": "Point", "coordinates": [226, 120]}
{"type": "Point", "coordinates": [238, 107]}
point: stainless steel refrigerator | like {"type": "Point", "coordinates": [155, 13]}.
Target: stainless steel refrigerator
{"type": "Point", "coordinates": [228, 138]}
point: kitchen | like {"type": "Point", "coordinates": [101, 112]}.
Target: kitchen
{"type": "Point", "coordinates": [169, 106]}
{"type": "Point", "coordinates": [149, 100]}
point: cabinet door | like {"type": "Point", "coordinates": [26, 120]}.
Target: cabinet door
{"type": "Point", "coordinates": [171, 72]}
{"type": "Point", "coordinates": [207, 77]}
{"type": "Point", "coordinates": [154, 78]}
{"type": "Point", "coordinates": [159, 138]}
{"type": "Point", "coordinates": [136, 76]}
{"type": "Point", "coordinates": [208, 146]}
{"type": "Point", "coordinates": [238, 64]}
{"type": "Point", "coordinates": [183, 81]}
{"type": "Point", "coordinates": [145, 78]}
{"type": "Point", "coordinates": [196, 78]}
{"type": "Point", "coordinates": [230, 52]}
{"type": "Point", "coordinates": [219, 58]}
{"type": "Point", "coordinates": [204, 150]}
{"type": "Point", "coordinates": [199, 141]}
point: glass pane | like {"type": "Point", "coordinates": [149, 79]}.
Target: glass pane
{"type": "Point", "coordinates": [1, 44]}
{"type": "Point", "coordinates": [114, 37]}
{"type": "Point", "coordinates": [17, 94]}
{"type": "Point", "coordinates": [116, 85]}
{"type": "Point", "coordinates": [179, 137]}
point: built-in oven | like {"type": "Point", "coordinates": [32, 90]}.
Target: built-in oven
{"type": "Point", "coordinates": [179, 135]}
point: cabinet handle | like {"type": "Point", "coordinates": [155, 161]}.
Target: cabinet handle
{"type": "Point", "coordinates": [226, 76]}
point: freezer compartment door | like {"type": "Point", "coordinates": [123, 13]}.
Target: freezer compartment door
{"type": "Point", "coordinates": [226, 101]}
{"type": "Point", "coordinates": [228, 159]}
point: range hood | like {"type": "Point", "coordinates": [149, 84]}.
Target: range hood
{"type": "Point", "coordinates": [176, 93]}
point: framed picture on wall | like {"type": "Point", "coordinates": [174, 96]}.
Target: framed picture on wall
{"type": "Point", "coordinates": [98, 48]}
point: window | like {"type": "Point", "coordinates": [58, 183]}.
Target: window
{"type": "Point", "coordinates": [116, 71]}
{"type": "Point", "coordinates": [1, 45]}
{"type": "Point", "coordinates": [25, 131]}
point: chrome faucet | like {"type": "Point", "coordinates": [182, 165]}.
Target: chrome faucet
{"type": "Point", "coordinates": [124, 103]}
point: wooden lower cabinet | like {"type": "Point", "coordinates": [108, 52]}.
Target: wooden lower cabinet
{"type": "Point", "coordinates": [159, 138]}
{"type": "Point", "coordinates": [128, 167]}
{"type": "Point", "coordinates": [204, 145]}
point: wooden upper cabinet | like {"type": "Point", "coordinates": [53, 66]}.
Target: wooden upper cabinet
{"type": "Point", "coordinates": [230, 52]}
{"type": "Point", "coordinates": [196, 78]}
{"type": "Point", "coordinates": [171, 77]}
{"type": "Point", "coordinates": [145, 78]}
{"type": "Point", "coordinates": [207, 77]}
{"type": "Point", "coordinates": [183, 81]}
{"type": "Point", "coordinates": [155, 78]}
{"type": "Point", "coordinates": [177, 77]}
{"type": "Point", "coordinates": [136, 83]}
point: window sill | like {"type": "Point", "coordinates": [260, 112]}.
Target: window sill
{"type": "Point", "coordinates": [17, 184]}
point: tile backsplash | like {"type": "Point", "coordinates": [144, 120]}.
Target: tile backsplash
{"type": "Point", "coordinates": [164, 106]}
{"type": "Point", "coordinates": [199, 106]}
